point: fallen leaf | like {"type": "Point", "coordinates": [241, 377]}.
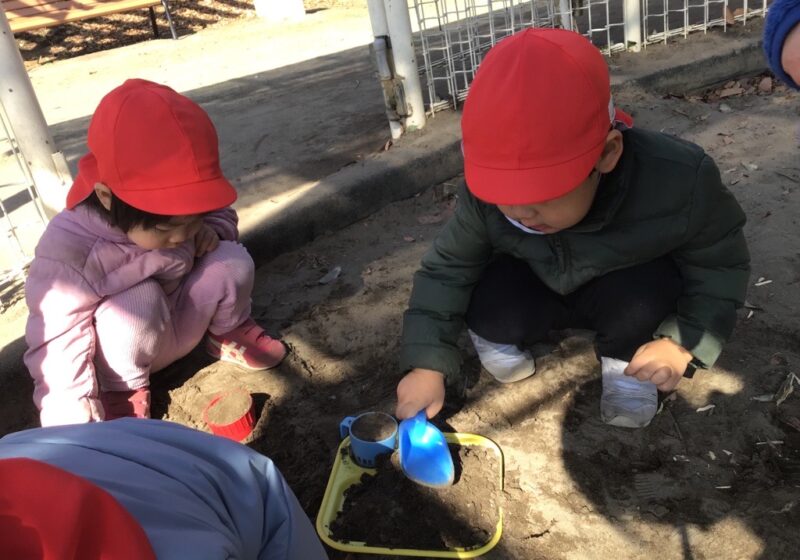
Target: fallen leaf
{"type": "Point", "coordinates": [786, 388]}
{"type": "Point", "coordinates": [787, 177]}
{"type": "Point", "coordinates": [430, 219]}
{"type": "Point", "coordinates": [777, 359]}
{"type": "Point", "coordinates": [730, 92]}
{"type": "Point", "coordinates": [787, 507]}
{"type": "Point", "coordinates": [729, 17]}
{"type": "Point", "coordinates": [765, 85]}
{"type": "Point", "coordinates": [791, 421]}
{"type": "Point", "coordinates": [332, 275]}
{"type": "Point", "coordinates": [657, 510]}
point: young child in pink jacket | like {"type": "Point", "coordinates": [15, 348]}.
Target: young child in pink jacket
{"type": "Point", "coordinates": [141, 265]}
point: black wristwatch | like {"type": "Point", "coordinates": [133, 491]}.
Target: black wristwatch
{"type": "Point", "coordinates": [691, 367]}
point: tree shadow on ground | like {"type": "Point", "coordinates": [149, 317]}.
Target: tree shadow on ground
{"type": "Point", "coordinates": [690, 470]}
{"type": "Point", "coordinates": [69, 40]}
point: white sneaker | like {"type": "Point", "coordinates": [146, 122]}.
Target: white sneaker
{"type": "Point", "coordinates": [626, 401]}
{"type": "Point", "coordinates": [505, 362]}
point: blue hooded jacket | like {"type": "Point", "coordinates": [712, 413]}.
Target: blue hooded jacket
{"type": "Point", "coordinates": [782, 17]}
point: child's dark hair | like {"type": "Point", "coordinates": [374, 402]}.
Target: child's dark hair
{"type": "Point", "coordinates": [124, 216]}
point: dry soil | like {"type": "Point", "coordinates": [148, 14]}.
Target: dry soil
{"type": "Point", "coordinates": [716, 475]}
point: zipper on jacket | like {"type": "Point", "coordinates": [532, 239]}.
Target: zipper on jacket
{"type": "Point", "coordinates": [555, 241]}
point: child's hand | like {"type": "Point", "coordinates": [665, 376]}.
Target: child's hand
{"type": "Point", "coordinates": [662, 362]}
{"type": "Point", "coordinates": [205, 240]}
{"type": "Point", "coordinates": [420, 389]}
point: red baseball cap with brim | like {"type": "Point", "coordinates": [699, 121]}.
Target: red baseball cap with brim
{"type": "Point", "coordinates": [156, 150]}
{"type": "Point", "coordinates": [536, 117]}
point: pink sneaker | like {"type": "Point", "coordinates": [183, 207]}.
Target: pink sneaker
{"type": "Point", "coordinates": [247, 346]}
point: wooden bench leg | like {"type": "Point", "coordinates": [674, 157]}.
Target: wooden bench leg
{"type": "Point", "coordinates": [153, 21]}
{"type": "Point", "coordinates": [169, 19]}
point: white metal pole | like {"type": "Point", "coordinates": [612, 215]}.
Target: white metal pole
{"type": "Point", "coordinates": [49, 168]}
{"type": "Point", "coordinates": [565, 10]}
{"type": "Point", "coordinates": [380, 31]}
{"type": "Point", "coordinates": [632, 14]}
{"type": "Point", "coordinates": [377, 17]}
{"type": "Point", "coordinates": [405, 61]}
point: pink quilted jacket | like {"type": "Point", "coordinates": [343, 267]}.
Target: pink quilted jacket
{"type": "Point", "coordinates": [79, 261]}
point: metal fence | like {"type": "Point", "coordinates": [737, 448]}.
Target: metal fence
{"type": "Point", "coordinates": [663, 19]}
{"type": "Point", "coordinates": [454, 35]}
{"type": "Point", "coordinates": [22, 217]}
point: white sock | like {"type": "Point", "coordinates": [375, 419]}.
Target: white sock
{"type": "Point", "coordinates": [505, 362]}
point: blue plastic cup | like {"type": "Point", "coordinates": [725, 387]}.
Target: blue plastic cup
{"type": "Point", "coordinates": [368, 439]}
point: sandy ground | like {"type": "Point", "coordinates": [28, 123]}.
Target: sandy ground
{"type": "Point", "coordinates": [60, 42]}
{"type": "Point", "coordinates": [720, 483]}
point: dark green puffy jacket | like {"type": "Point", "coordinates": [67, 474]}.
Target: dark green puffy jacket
{"type": "Point", "coordinates": [665, 197]}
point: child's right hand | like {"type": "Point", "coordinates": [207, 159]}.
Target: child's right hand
{"type": "Point", "coordinates": [420, 389]}
{"type": "Point", "coordinates": [205, 240]}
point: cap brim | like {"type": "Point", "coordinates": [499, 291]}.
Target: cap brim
{"type": "Point", "coordinates": [180, 200]}
{"type": "Point", "coordinates": [84, 183]}
{"type": "Point", "coordinates": [511, 187]}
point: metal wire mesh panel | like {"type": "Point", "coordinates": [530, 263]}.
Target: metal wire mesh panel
{"type": "Point", "coordinates": [663, 19]}
{"type": "Point", "coordinates": [454, 35]}
{"type": "Point", "coordinates": [22, 217]}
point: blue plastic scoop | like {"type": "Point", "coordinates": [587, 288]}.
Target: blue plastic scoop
{"type": "Point", "coordinates": [424, 455]}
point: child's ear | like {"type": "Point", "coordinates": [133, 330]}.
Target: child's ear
{"type": "Point", "coordinates": [611, 152]}
{"type": "Point", "coordinates": [103, 195]}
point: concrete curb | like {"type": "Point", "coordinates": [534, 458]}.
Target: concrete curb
{"type": "Point", "coordinates": [416, 162]}
{"type": "Point", "coordinates": [420, 160]}
{"type": "Point", "coordinates": [706, 72]}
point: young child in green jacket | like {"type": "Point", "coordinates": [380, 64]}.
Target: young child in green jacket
{"type": "Point", "coordinates": [572, 219]}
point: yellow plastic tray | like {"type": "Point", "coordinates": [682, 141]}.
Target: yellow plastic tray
{"type": "Point", "coordinates": [345, 473]}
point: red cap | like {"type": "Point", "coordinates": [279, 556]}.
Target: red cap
{"type": "Point", "coordinates": [239, 428]}
{"type": "Point", "coordinates": [156, 150]}
{"type": "Point", "coordinates": [49, 514]}
{"type": "Point", "coordinates": [536, 117]}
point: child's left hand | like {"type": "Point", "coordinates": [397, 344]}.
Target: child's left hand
{"type": "Point", "coordinates": [662, 362]}
{"type": "Point", "coordinates": [205, 240]}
